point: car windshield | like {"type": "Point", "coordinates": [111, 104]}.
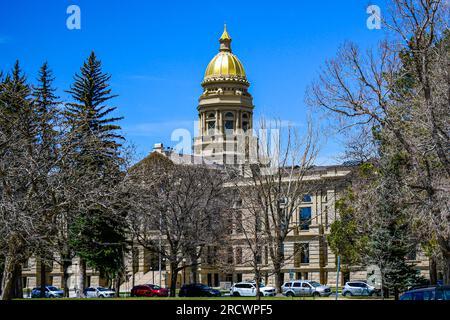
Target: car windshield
{"type": "Point", "coordinates": [156, 287]}
{"type": "Point", "coordinates": [315, 284]}
{"type": "Point", "coordinates": [51, 288]}
{"type": "Point", "coordinates": [102, 289]}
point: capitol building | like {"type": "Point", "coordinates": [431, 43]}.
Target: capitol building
{"type": "Point", "coordinates": [225, 137]}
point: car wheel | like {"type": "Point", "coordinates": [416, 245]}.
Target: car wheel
{"type": "Point", "coordinates": [101, 296]}
{"type": "Point", "coordinates": [316, 294]}
{"type": "Point", "coordinates": [51, 296]}
{"type": "Point", "coordinates": [348, 294]}
{"type": "Point", "coordinates": [236, 294]}
{"type": "Point", "coordinates": [289, 294]}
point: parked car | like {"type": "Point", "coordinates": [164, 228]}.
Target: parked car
{"type": "Point", "coordinates": [149, 290]}
{"type": "Point", "coordinates": [428, 293]}
{"type": "Point", "coordinates": [305, 288]}
{"type": "Point", "coordinates": [99, 292]}
{"type": "Point", "coordinates": [248, 289]}
{"type": "Point", "coordinates": [359, 288]}
{"type": "Point", "coordinates": [50, 292]}
{"type": "Point", "coordinates": [198, 290]}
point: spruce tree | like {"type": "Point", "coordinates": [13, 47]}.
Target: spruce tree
{"type": "Point", "coordinates": [94, 146]}
{"type": "Point", "coordinates": [47, 116]}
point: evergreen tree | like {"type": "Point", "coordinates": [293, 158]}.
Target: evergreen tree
{"type": "Point", "coordinates": [94, 147]}
{"type": "Point", "coordinates": [47, 116]}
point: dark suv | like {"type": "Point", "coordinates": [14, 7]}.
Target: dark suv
{"type": "Point", "coordinates": [198, 290]}
{"type": "Point", "coordinates": [428, 293]}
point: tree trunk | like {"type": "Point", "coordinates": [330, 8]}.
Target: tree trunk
{"type": "Point", "coordinates": [81, 277]}
{"type": "Point", "coordinates": [433, 270]}
{"type": "Point", "coordinates": [43, 271]}
{"type": "Point", "coordinates": [117, 284]}
{"type": "Point", "coordinates": [258, 281]}
{"type": "Point", "coordinates": [446, 271]}
{"type": "Point", "coordinates": [194, 270]}
{"type": "Point", "coordinates": [9, 278]}
{"type": "Point", "coordinates": [173, 278]}
{"type": "Point", "coordinates": [279, 276]}
{"type": "Point", "coordinates": [444, 244]}
{"type": "Point", "coordinates": [66, 262]}
{"type": "Point", "coordinates": [396, 293]}
{"type": "Point", "coordinates": [18, 288]}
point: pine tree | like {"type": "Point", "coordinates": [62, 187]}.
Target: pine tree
{"type": "Point", "coordinates": [46, 104]}
{"type": "Point", "coordinates": [93, 130]}
{"type": "Point", "coordinates": [94, 147]}
{"type": "Point", "coordinates": [47, 114]}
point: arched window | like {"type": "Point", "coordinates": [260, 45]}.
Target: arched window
{"type": "Point", "coordinates": [245, 123]}
{"type": "Point", "coordinates": [229, 123]}
{"type": "Point", "coordinates": [210, 123]}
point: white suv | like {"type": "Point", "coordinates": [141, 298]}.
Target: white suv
{"type": "Point", "coordinates": [248, 289]}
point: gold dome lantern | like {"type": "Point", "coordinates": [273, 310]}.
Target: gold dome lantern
{"type": "Point", "coordinates": [225, 65]}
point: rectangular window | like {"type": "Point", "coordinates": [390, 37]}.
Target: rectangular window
{"type": "Point", "coordinates": [230, 255]}
{"type": "Point", "coordinates": [412, 255]}
{"type": "Point", "coordinates": [258, 223]}
{"type": "Point", "coordinates": [266, 254]}
{"type": "Point", "coordinates": [297, 255]}
{"type": "Point", "coordinates": [239, 228]}
{"type": "Point", "coordinates": [258, 254]}
{"type": "Point", "coordinates": [305, 218]}
{"type": "Point", "coordinates": [238, 255]}
{"type": "Point", "coordinates": [304, 252]}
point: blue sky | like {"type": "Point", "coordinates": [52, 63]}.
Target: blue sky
{"type": "Point", "coordinates": [157, 53]}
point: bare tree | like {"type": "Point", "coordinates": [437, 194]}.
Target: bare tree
{"type": "Point", "coordinates": [403, 90]}
{"type": "Point", "coordinates": [274, 190]}
{"type": "Point", "coordinates": [177, 210]}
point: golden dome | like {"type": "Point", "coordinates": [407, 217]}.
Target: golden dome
{"type": "Point", "coordinates": [225, 65]}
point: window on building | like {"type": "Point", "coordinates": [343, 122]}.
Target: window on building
{"type": "Point", "coordinates": [301, 254]}
{"type": "Point", "coordinates": [229, 123]}
{"type": "Point", "coordinates": [216, 279]}
{"type": "Point", "coordinates": [245, 122]}
{"type": "Point", "coordinates": [307, 198]}
{"type": "Point", "coordinates": [238, 255]}
{"type": "Point", "coordinates": [266, 254]}
{"type": "Point", "coordinates": [258, 254]}
{"type": "Point", "coordinates": [211, 127]}
{"type": "Point", "coordinates": [304, 252]}
{"type": "Point", "coordinates": [412, 254]}
{"type": "Point", "coordinates": [258, 223]}
{"type": "Point", "coordinates": [230, 255]}
{"type": "Point", "coordinates": [239, 277]}
{"type": "Point", "coordinates": [210, 255]}
{"type": "Point", "coordinates": [305, 218]}
{"type": "Point", "coordinates": [238, 217]}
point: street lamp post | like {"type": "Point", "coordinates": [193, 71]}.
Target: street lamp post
{"type": "Point", "coordinates": [184, 270]}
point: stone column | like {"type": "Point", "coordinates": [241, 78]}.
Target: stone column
{"type": "Point", "coordinates": [217, 120]}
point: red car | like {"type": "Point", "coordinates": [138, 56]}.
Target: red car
{"type": "Point", "coordinates": [149, 290]}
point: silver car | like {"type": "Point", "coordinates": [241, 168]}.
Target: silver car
{"type": "Point", "coordinates": [301, 288]}
{"type": "Point", "coordinates": [99, 292]}
{"type": "Point", "coordinates": [358, 288]}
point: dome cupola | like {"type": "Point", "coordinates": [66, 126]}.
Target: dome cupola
{"type": "Point", "coordinates": [225, 66]}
